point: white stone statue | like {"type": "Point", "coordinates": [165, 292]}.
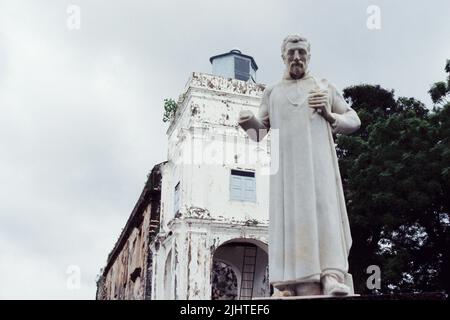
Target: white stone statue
{"type": "Point", "coordinates": [309, 234]}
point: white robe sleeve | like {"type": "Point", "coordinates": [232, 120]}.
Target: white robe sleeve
{"type": "Point", "coordinates": [347, 120]}
{"type": "Point", "coordinates": [257, 127]}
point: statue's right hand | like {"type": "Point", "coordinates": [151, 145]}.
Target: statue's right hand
{"type": "Point", "coordinates": [245, 115]}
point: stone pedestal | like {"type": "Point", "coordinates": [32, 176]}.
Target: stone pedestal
{"type": "Point", "coordinates": [380, 297]}
{"type": "Point", "coordinates": [308, 297]}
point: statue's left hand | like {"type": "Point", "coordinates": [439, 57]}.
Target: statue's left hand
{"type": "Point", "coordinates": [318, 100]}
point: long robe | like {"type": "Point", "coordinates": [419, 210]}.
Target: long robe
{"type": "Point", "coordinates": [309, 232]}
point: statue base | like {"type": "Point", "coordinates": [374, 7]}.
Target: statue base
{"type": "Point", "coordinates": [308, 297]}
{"type": "Point", "coordinates": [395, 296]}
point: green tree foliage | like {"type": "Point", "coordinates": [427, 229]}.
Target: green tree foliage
{"type": "Point", "coordinates": [441, 89]}
{"type": "Point", "coordinates": [170, 108]}
{"type": "Point", "coordinates": [396, 178]}
{"type": "Point", "coordinates": [438, 91]}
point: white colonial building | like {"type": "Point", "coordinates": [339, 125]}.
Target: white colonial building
{"type": "Point", "coordinates": [201, 224]}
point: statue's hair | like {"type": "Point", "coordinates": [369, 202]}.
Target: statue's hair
{"type": "Point", "coordinates": [294, 38]}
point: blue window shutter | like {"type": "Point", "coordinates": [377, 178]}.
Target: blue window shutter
{"type": "Point", "coordinates": [241, 68]}
{"type": "Point", "coordinates": [236, 187]}
{"type": "Point", "coordinates": [242, 186]}
{"type": "Point", "coordinates": [249, 189]}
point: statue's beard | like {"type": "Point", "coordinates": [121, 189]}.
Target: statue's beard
{"type": "Point", "coordinates": [297, 69]}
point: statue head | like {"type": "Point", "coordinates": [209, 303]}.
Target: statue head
{"type": "Point", "coordinates": [295, 52]}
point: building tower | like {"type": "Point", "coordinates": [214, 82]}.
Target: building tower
{"type": "Point", "coordinates": [210, 239]}
{"type": "Point", "coordinates": [214, 199]}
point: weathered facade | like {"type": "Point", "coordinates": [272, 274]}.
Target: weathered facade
{"type": "Point", "coordinates": [199, 229]}
{"type": "Point", "coordinates": [127, 274]}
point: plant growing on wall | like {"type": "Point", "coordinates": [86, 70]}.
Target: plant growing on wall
{"type": "Point", "coordinates": [170, 108]}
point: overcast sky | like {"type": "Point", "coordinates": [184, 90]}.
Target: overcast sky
{"type": "Point", "coordinates": [81, 110]}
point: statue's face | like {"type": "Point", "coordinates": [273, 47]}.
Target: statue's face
{"type": "Point", "coordinates": [296, 57]}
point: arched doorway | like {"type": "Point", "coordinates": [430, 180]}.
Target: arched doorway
{"type": "Point", "coordinates": [240, 270]}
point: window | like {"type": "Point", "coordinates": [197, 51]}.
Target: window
{"type": "Point", "coordinates": [176, 198]}
{"type": "Point", "coordinates": [241, 68]}
{"type": "Point", "coordinates": [243, 186]}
